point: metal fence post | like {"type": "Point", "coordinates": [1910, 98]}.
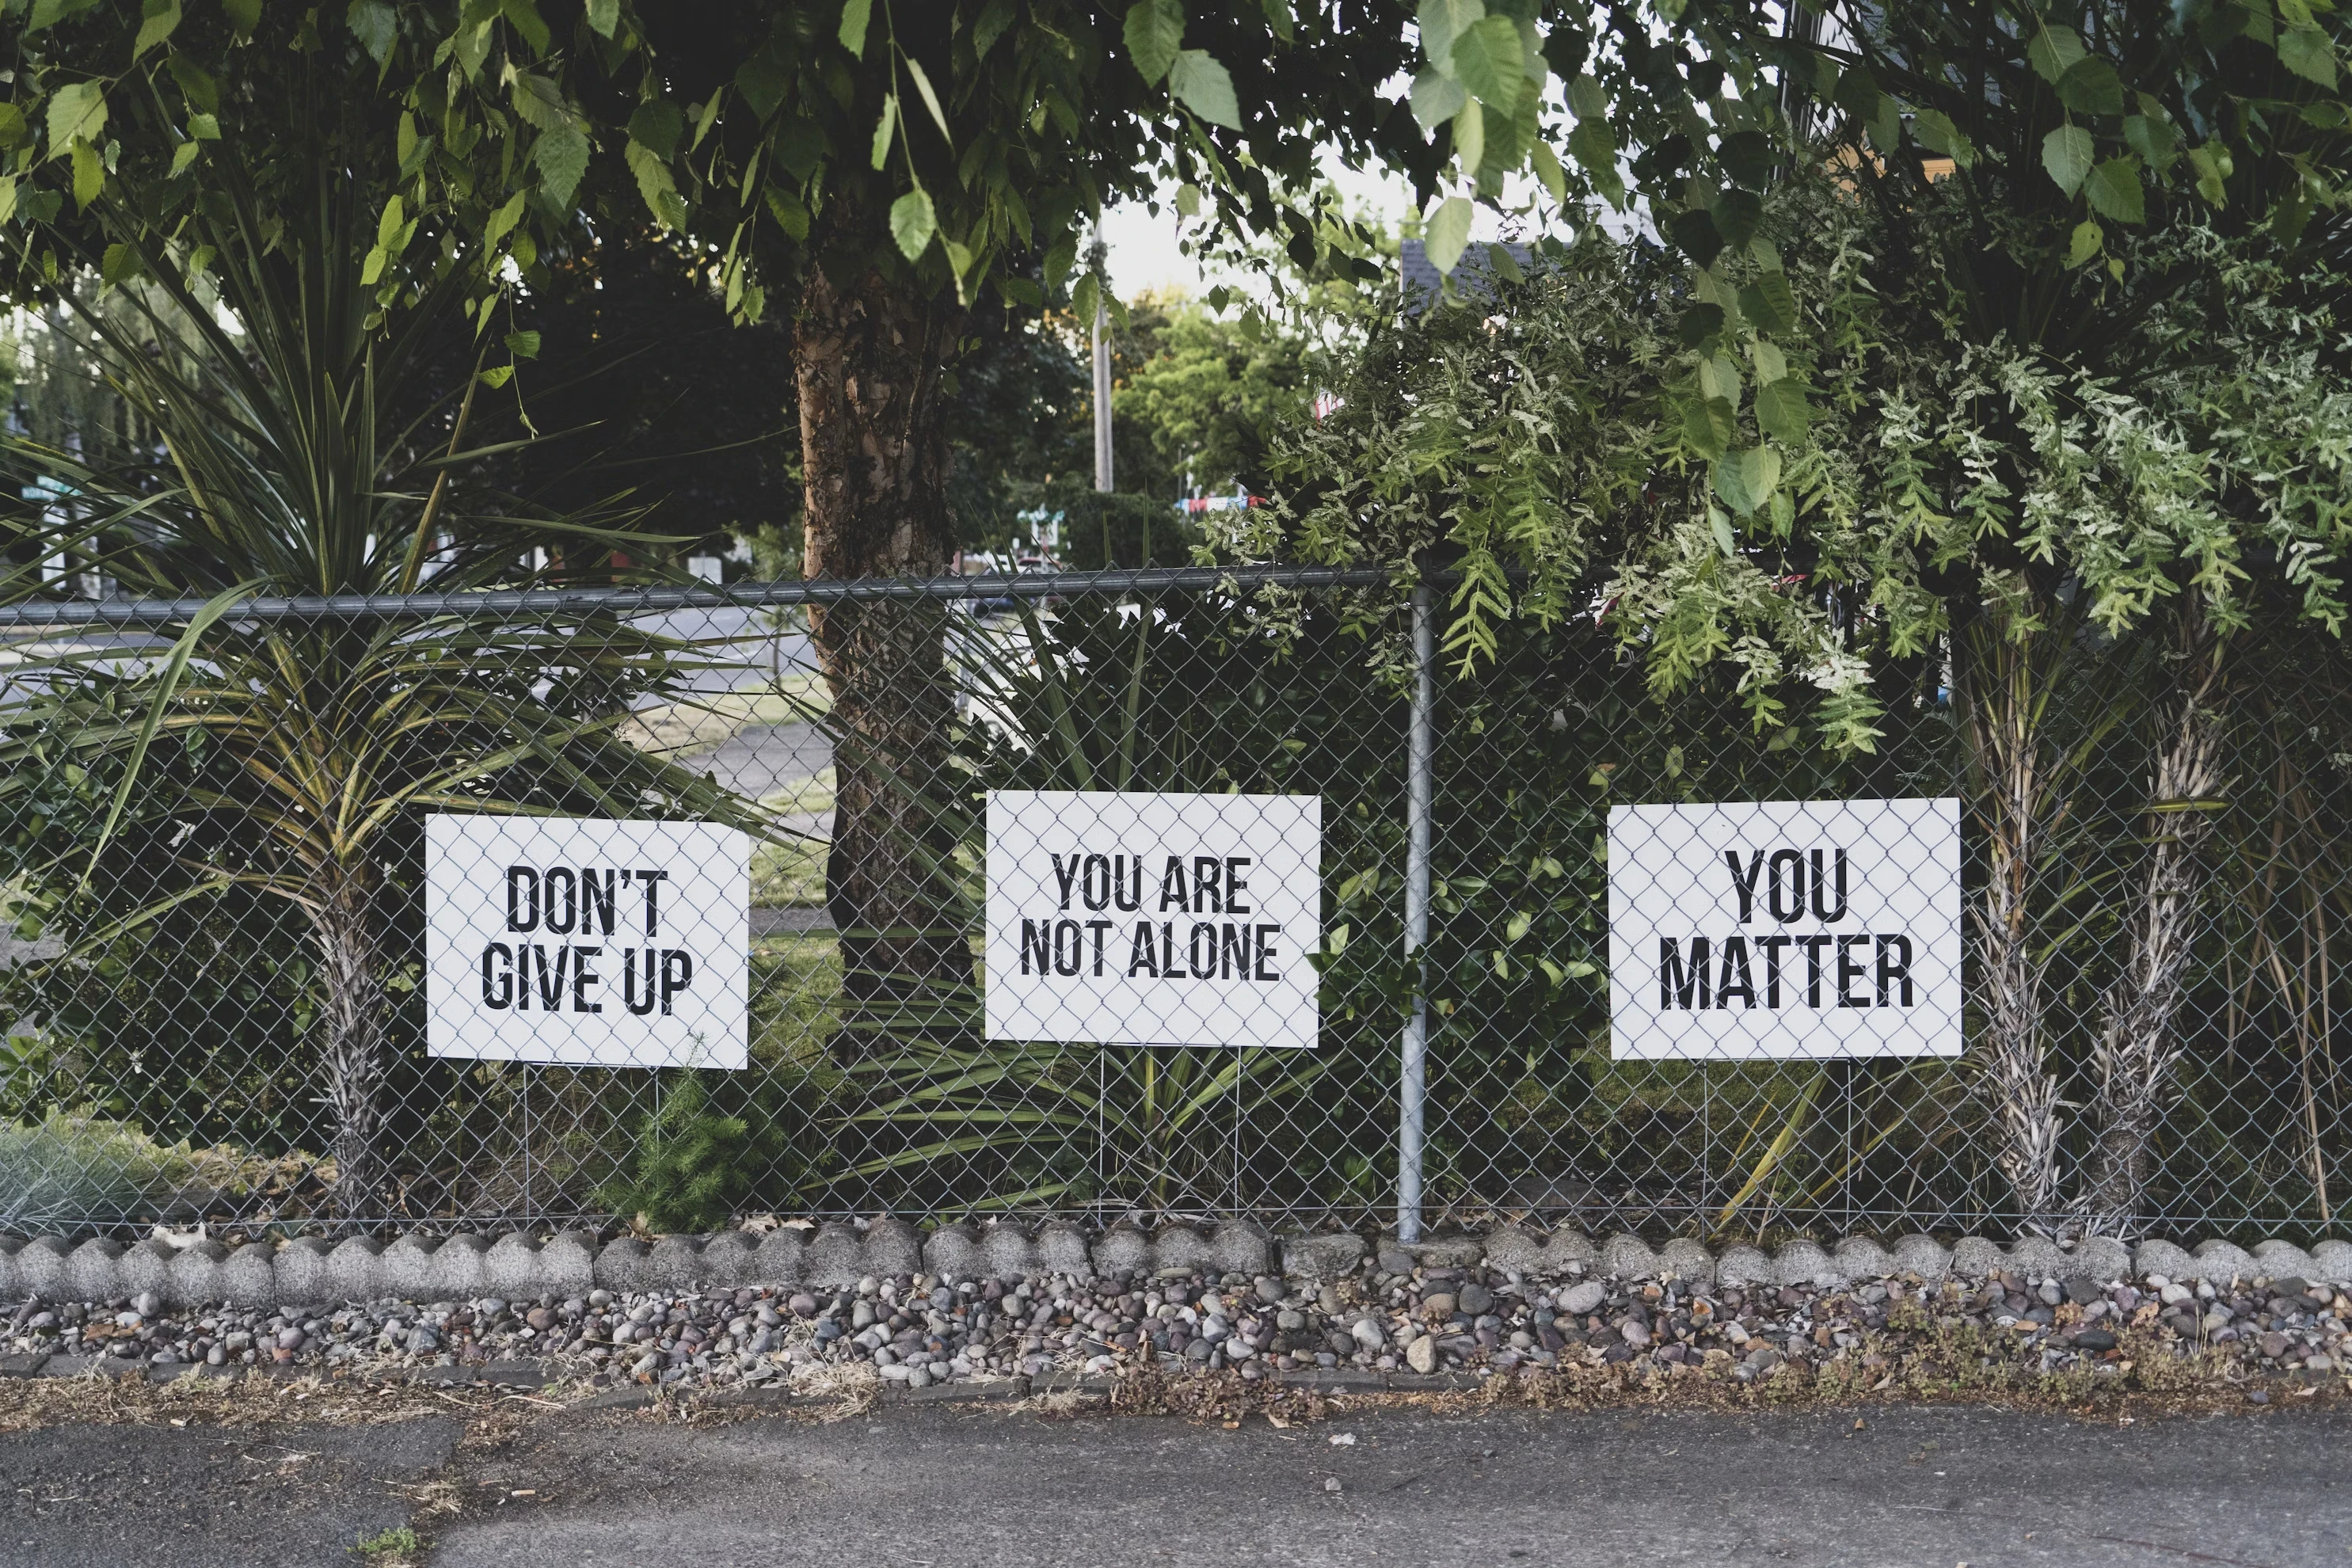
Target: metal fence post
{"type": "Point", "coordinates": [1419, 764]}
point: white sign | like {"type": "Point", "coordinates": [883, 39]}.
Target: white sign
{"type": "Point", "coordinates": [1799, 930]}
{"type": "Point", "coordinates": [1154, 920]}
{"type": "Point", "coordinates": [587, 942]}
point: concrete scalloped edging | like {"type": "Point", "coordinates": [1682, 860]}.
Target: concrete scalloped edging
{"type": "Point", "coordinates": [836, 1254]}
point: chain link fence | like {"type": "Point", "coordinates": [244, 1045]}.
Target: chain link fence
{"type": "Point", "coordinates": [220, 1002]}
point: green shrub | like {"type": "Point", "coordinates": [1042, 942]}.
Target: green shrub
{"type": "Point", "coordinates": [701, 1153]}
{"type": "Point", "coordinates": [72, 1167]}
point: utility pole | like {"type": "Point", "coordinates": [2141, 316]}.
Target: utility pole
{"type": "Point", "coordinates": [1102, 378]}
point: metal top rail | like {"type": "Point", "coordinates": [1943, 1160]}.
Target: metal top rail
{"type": "Point", "coordinates": [649, 600]}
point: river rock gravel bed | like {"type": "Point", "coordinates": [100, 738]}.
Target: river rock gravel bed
{"type": "Point", "coordinates": [919, 1331]}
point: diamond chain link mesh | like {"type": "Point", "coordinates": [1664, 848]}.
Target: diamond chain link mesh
{"type": "Point", "coordinates": [217, 1009]}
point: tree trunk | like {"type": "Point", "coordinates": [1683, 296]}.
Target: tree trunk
{"type": "Point", "coordinates": [342, 919]}
{"type": "Point", "coordinates": [2133, 1062]}
{"type": "Point", "coordinates": [869, 353]}
{"type": "Point", "coordinates": [2001, 682]}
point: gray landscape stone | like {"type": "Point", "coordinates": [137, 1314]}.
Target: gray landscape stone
{"type": "Point", "coordinates": [783, 1257]}
{"type": "Point", "coordinates": [730, 1260]}
{"type": "Point", "coordinates": [621, 1265]}
{"type": "Point", "coordinates": [1740, 1264]}
{"type": "Point", "coordinates": [90, 1273]}
{"type": "Point", "coordinates": [2284, 1260]}
{"type": "Point", "coordinates": [2153, 1257]}
{"type": "Point", "coordinates": [1569, 1245]}
{"type": "Point", "coordinates": [1241, 1246]}
{"type": "Point", "coordinates": [953, 1252]}
{"type": "Point", "coordinates": [144, 1268]}
{"type": "Point", "coordinates": [2333, 1261]}
{"type": "Point", "coordinates": [2103, 1258]}
{"type": "Point", "coordinates": [355, 1271]}
{"type": "Point", "coordinates": [835, 1259]}
{"type": "Point", "coordinates": [2218, 1262]}
{"type": "Point", "coordinates": [408, 1267]}
{"type": "Point", "coordinates": [1802, 1262]}
{"type": "Point", "coordinates": [1514, 1248]}
{"type": "Point", "coordinates": [2039, 1258]}
{"type": "Point", "coordinates": [249, 1276]}
{"type": "Point", "coordinates": [510, 1270]}
{"type": "Point", "coordinates": [9, 1247]}
{"type": "Point", "coordinates": [892, 1247]}
{"type": "Point", "coordinates": [1122, 1248]}
{"type": "Point", "coordinates": [1179, 1246]}
{"type": "Point", "coordinates": [1062, 1248]}
{"type": "Point", "coordinates": [196, 1276]}
{"type": "Point", "coordinates": [1923, 1256]}
{"type": "Point", "coordinates": [1449, 1251]}
{"type": "Point", "coordinates": [1322, 1257]}
{"type": "Point", "coordinates": [457, 1272]}
{"type": "Point", "coordinates": [1688, 1261]}
{"type": "Point", "coordinates": [1625, 1257]}
{"type": "Point", "coordinates": [1006, 1251]}
{"type": "Point", "coordinates": [1860, 1257]}
{"type": "Point", "coordinates": [301, 1273]}
{"type": "Point", "coordinates": [674, 1263]}
{"type": "Point", "coordinates": [1974, 1258]}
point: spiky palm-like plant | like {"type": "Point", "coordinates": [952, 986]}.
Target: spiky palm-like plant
{"type": "Point", "coordinates": [290, 418]}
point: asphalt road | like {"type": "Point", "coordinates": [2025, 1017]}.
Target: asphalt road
{"type": "Point", "coordinates": [933, 1486]}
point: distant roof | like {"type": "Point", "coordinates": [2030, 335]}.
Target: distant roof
{"type": "Point", "coordinates": [1422, 280]}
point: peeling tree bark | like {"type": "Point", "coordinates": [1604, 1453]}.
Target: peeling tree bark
{"type": "Point", "coordinates": [2137, 1053]}
{"type": "Point", "coordinates": [342, 922]}
{"type": "Point", "coordinates": [2002, 682]}
{"type": "Point", "coordinates": [870, 350]}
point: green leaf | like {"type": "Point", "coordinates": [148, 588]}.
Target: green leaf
{"type": "Point", "coordinates": [375, 24]}
{"type": "Point", "coordinates": [1436, 97]}
{"type": "Point", "coordinates": [1769, 302]}
{"type": "Point", "coordinates": [1202, 86]}
{"type": "Point", "coordinates": [2089, 239]}
{"type": "Point", "coordinates": [1708, 425]}
{"type": "Point", "coordinates": [1545, 164]}
{"type": "Point", "coordinates": [994, 18]}
{"type": "Point", "coordinates": [1783, 412]}
{"type": "Point", "coordinates": [2092, 87]}
{"type": "Point", "coordinates": [2053, 51]}
{"type": "Point", "coordinates": [657, 185]}
{"type": "Point", "coordinates": [2153, 139]}
{"type": "Point", "coordinates": [524, 345]}
{"type": "Point", "coordinates": [524, 18]}
{"type": "Point", "coordinates": [764, 80]}
{"type": "Point", "coordinates": [656, 126]}
{"type": "Point", "coordinates": [1938, 134]}
{"type": "Point", "coordinates": [1725, 540]}
{"type": "Point", "coordinates": [89, 174]}
{"type": "Point", "coordinates": [1746, 480]}
{"type": "Point", "coordinates": [2213, 168]}
{"type": "Point", "coordinates": [1698, 324]}
{"type": "Point", "coordinates": [204, 128]}
{"type": "Point", "coordinates": [2066, 154]}
{"type": "Point", "coordinates": [930, 99]}
{"type": "Point", "coordinates": [201, 90]}
{"type": "Point", "coordinates": [605, 16]}
{"type": "Point", "coordinates": [2115, 190]}
{"type": "Point", "coordinates": [912, 223]}
{"type": "Point", "coordinates": [1586, 100]}
{"type": "Point", "coordinates": [1594, 147]}
{"type": "Point", "coordinates": [244, 16]}
{"type": "Point", "coordinates": [1694, 230]}
{"type": "Point", "coordinates": [1154, 33]}
{"type": "Point", "coordinates": [120, 261]}
{"type": "Point", "coordinates": [2307, 52]}
{"type": "Point", "coordinates": [884, 129]}
{"type": "Point", "coordinates": [538, 102]}
{"type": "Point", "coordinates": [561, 154]}
{"type": "Point", "coordinates": [1447, 232]}
{"type": "Point", "coordinates": [184, 155]}
{"type": "Point", "coordinates": [497, 375]}
{"type": "Point", "coordinates": [1492, 63]}
{"type": "Point", "coordinates": [77, 112]}
{"type": "Point", "coordinates": [1443, 21]}
{"type": "Point", "coordinates": [789, 212]}
{"type": "Point", "coordinates": [160, 20]}
{"type": "Point", "coordinates": [504, 220]}
{"type": "Point", "coordinates": [1188, 201]}
{"type": "Point", "coordinates": [1278, 20]}
{"type": "Point", "coordinates": [1747, 157]}
{"type": "Point", "coordinates": [1470, 137]}
{"type": "Point", "coordinates": [388, 225]}
{"type": "Point", "coordinates": [855, 15]}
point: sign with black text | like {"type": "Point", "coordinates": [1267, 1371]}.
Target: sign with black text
{"type": "Point", "coordinates": [1154, 920]}
{"type": "Point", "coordinates": [581, 942]}
{"type": "Point", "coordinates": [1784, 929]}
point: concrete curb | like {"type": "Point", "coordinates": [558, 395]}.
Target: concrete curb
{"type": "Point", "coordinates": [836, 1256]}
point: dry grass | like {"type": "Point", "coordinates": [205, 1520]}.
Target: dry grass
{"type": "Point", "coordinates": [680, 730]}
{"type": "Point", "coordinates": [97, 1399]}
